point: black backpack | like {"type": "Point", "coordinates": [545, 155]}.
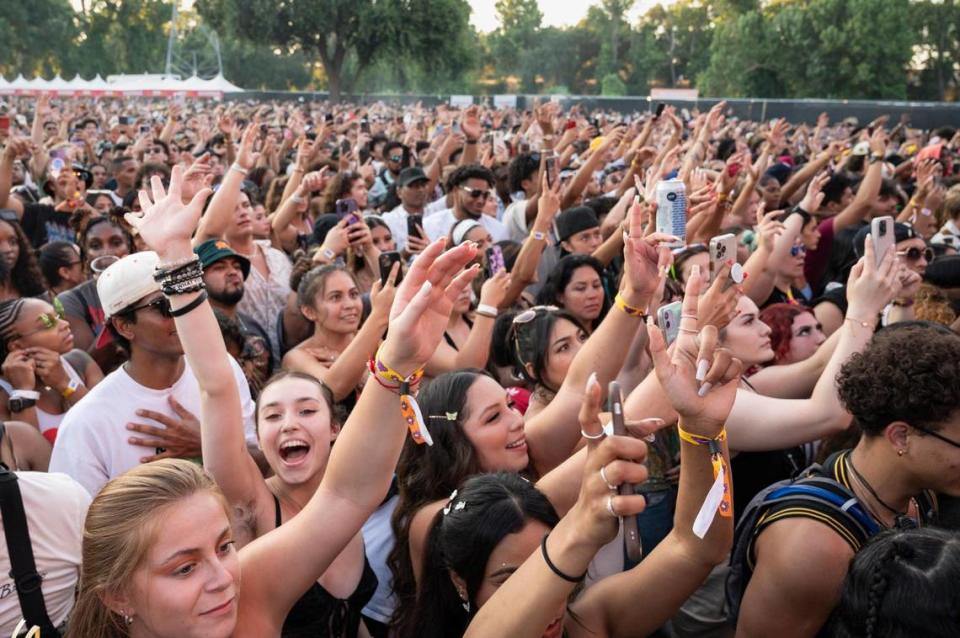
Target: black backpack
{"type": "Point", "coordinates": [814, 494]}
{"type": "Point", "coordinates": [23, 568]}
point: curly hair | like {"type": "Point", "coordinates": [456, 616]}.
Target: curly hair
{"type": "Point", "coordinates": [931, 304]}
{"type": "Point", "coordinates": [909, 372]}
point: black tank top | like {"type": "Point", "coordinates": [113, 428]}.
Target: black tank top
{"type": "Point", "coordinates": [318, 614]}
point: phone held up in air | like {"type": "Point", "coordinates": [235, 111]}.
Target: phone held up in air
{"type": "Point", "coordinates": [631, 534]}
{"type": "Point", "coordinates": [387, 260]}
{"type": "Point", "coordinates": [494, 260]}
{"type": "Point", "coordinates": [551, 167]}
{"type": "Point", "coordinates": [414, 224]}
{"type": "Point", "coordinates": [347, 208]}
{"type": "Point", "coordinates": [668, 319]}
{"type": "Point", "coordinates": [722, 248]}
{"type": "Point", "coordinates": [881, 233]}
{"type": "Point", "coordinates": [659, 111]}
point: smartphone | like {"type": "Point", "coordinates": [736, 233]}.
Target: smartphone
{"type": "Point", "coordinates": [364, 125]}
{"type": "Point", "coordinates": [414, 222]}
{"type": "Point", "coordinates": [668, 318]}
{"type": "Point", "coordinates": [144, 128]}
{"type": "Point", "coordinates": [631, 535]}
{"type": "Point", "coordinates": [722, 248]}
{"type": "Point", "coordinates": [344, 147]}
{"type": "Point", "coordinates": [881, 233]}
{"type": "Point", "coordinates": [387, 260]}
{"type": "Point", "coordinates": [494, 260]}
{"type": "Point", "coordinates": [551, 166]}
{"type": "Point", "coordinates": [124, 120]}
{"type": "Point", "coordinates": [346, 207]}
{"type": "Point", "coordinates": [659, 112]}
{"type": "Point", "coordinates": [4, 122]}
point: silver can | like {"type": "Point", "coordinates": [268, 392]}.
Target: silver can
{"type": "Point", "coordinates": [671, 196]}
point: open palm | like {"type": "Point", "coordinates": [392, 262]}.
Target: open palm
{"type": "Point", "coordinates": [165, 218]}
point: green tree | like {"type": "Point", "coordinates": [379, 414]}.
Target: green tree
{"type": "Point", "coordinates": [37, 37]}
{"type": "Point", "coordinates": [515, 40]}
{"type": "Point", "coordinates": [123, 37]}
{"type": "Point", "coordinates": [936, 24]}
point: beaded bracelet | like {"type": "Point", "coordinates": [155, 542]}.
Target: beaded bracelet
{"type": "Point", "coordinates": [404, 386]}
{"type": "Point", "coordinates": [621, 303]}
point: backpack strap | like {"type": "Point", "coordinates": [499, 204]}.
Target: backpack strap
{"type": "Point", "coordinates": [23, 568]}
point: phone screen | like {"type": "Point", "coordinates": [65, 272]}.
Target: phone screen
{"type": "Point", "coordinates": [659, 112]}
{"type": "Point", "coordinates": [414, 223]}
{"type": "Point", "coordinates": [494, 260]}
{"type": "Point", "coordinates": [551, 168]}
{"type": "Point", "coordinates": [387, 260]}
{"type": "Point", "coordinates": [346, 206]}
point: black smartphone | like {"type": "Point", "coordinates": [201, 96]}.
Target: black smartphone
{"type": "Point", "coordinates": [344, 147]}
{"type": "Point", "coordinates": [550, 167]}
{"type": "Point", "coordinates": [631, 534]}
{"type": "Point", "coordinates": [413, 222]}
{"type": "Point", "coordinates": [387, 260]}
{"type": "Point", "coordinates": [659, 112]}
{"type": "Point", "coordinates": [123, 120]}
{"type": "Point", "coordinates": [365, 125]}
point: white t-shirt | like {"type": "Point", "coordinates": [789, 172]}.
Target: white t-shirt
{"type": "Point", "coordinates": [56, 507]}
{"type": "Point", "coordinates": [396, 219]}
{"type": "Point", "coordinates": [515, 219]}
{"type": "Point", "coordinates": [378, 542]}
{"type": "Point", "coordinates": [92, 445]}
{"type": "Point", "coordinates": [439, 225]}
{"type": "Point", "coordinates": [436, 206]}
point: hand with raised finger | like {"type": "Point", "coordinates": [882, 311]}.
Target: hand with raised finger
{"type": "Point", "coordinates": [178, 438]}
{"type": "Point", "coordinates": [165, 220]}
{"type": "Point", "coordinates": [699, 378]}
{"type": "Point", "coordinates": [870, 287]}
{"type": "Point", "coordinates": [718, 305]}
{"type": "Point", "coordinates": [611, 460]}
{"type": "Point", "coordinates": [646, 259]}
{"type": "Point", "coordinates": [246, 157]}
{"type": "Point", "coordinates": [423, 302]}
{"type": "Point", "coordinates": [416, 244]}
{"type": "Point", "coordinates": [494, 290]}
{"type": "Point", "coordinates": [381, 296]}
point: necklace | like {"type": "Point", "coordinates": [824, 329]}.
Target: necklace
{"type": "Point", "coordinates": [900, 519]}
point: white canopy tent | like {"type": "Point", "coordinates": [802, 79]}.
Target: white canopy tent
{"type": "Point", "coordinates": [121, 85]}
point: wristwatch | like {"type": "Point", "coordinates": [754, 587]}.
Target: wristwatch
{"type": "Point", "coordinates": [875, 157]}
{"type": "Point", "coordinates": [21, 400]}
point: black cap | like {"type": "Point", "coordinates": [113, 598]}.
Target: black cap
{"type": "Point", "coordinates": [573, 220]}
{"type": "Point", "coordinates": [213, 250]}
{"type": "Point", "coordinates": [901, 232]}
{"type": "Point", "coordinates": [410, 175]}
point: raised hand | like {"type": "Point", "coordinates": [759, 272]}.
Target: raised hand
{"type": "Point", "coordinates": [246, 158]}
{"type": "Point", "coordinates": [813, 198]}
{"type": "Point", "coordinates": [871, 287]}
{"type": "Point", "coordinates": [165, 220]}
{"type": "Point", "coordinates": [470, 122]}
{"type": "Point", "coordinates": [645, 260]}
{"type": "Point", "coordinates": [699, 378]}
{"type": "Point", "coordinates": [494, 289]}
{"type": "Point", "coordinates": [422, 306]}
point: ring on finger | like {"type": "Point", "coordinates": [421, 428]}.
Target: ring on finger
{"type": "Point", "coordinates": [603, 475]}
{"type": "Point", "coordinates": [592, 437]}
{"type": "Point", "coordinates": [688, 330]}
{"type": "Point", "coordinates": [610, 509]}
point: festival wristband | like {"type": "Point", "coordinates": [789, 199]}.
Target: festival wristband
{"type": "Point", "coordinates": [718, 499]}
{"type": "Point", "coordinates": [409, 409]}
{"type": "Point", "coordinates": [621, 303]}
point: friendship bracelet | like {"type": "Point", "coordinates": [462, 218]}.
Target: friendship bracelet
{"type": "Point", "coordinates": [621, 303]}
{"type": "Point", "coordinates": [721, 476]}
{"type": "Point", "coordinates": [179, 312]}
{"type": "Point", "coordinates": [554, 568]}
{"type": "Point", "coordinates": [409, 409]}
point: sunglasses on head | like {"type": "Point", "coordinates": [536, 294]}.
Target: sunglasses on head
{"type": "Point", "coordinates": [476, 193]}
{"type": "Point", "coordinates": [48, 321]}
{"type": "Point", "coordinates": [914, 254]}
{"type": "Point", "coordinates": [160, 305]}
{"type": "Point", "coordinates": [530, 314]}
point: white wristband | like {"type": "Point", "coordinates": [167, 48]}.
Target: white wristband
{"type": "Point", "coordinates": [297, 199]}
{"type": "Point", "coordinates": [25, 394]}
{"type": "Point", "coordinates": [538, 236]}
{"type": "Point", "coordinates": [236, 167]}
{"type": "Point", "coordinates": [486, 310]}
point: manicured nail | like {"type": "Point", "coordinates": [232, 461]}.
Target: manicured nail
{"type": "Point", "coordinates": [427, 287]}
{"type": "Point", "coordinates": [592, 380]}
{"type": "Point", "coordinates": [702, 392]}
{"type": "Point", "coordinates": [702, 367]}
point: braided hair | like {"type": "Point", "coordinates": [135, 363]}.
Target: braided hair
{"type": "Point", "coordinates": [902, 584]}
{"type": "Point", "coordinates": [9, 313]}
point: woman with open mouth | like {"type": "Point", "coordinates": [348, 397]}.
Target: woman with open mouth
{"type": "Point", "coordinates": [159, 553]}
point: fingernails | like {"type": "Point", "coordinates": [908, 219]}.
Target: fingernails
{"type": "Point", "coordinates": [702, 367]}
{"type": "Point", "coordinates": [702, 392]}
{"type": "Point", "coordinates": [426, 287]}
{"type": "Point", "coordinates": [592, 381]}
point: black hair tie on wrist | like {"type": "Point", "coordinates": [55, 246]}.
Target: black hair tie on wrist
{"type": "Point", "coordinates": [554, 568]}
{"type": "Point", "coordinates": [179, 312]}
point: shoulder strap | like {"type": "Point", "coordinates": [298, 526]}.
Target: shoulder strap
{"type": "Point", "coordinates": [23, 568]}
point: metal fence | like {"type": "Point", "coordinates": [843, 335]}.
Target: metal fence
{"type": "Point", "coordinates": [922, 114]}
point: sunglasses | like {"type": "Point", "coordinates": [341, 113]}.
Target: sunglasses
{"type": "Point", "coordinates": [396, 158]}
{"type": "Point", "coordinates": [476, 193]}
{"type": "Point", "coordinates": [797, 250]}
{"type": "Point", "coordinates": [531, 313]}
{"type": "Point", "coordinates": [914, 254]}
{"type": "Point", "coordinates": [160, 305]}
{"type": "Point", "coordinates": [47, 321]}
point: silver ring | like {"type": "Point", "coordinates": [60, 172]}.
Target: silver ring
{"type": "Point", "coordinates": [603, 475]}
{"type": "Point", "coordinates": [610, 507]}
{"type": "Point", "coordinates": [592, 437]}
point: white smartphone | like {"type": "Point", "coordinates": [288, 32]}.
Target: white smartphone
{"type": "Point", "coordinates": [881, 232]}
{"type": "Point", "coordinates": [668, 318]}
{"type": "Point", "coordinates": [722, 248]}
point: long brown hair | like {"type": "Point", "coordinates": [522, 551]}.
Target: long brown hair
{"type": "Point", "coordinates": [118, 533]}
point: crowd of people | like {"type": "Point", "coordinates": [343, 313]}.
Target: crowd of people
{"type": "Point", "coordinates": [476, 372]}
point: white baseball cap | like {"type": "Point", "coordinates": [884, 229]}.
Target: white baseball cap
{"type": "Point", "coordinates": [124, 283]}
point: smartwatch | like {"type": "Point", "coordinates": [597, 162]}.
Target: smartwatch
{"type": "Point", "coordinates": [21, 400]}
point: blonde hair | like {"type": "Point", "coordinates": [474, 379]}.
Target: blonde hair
{"type": "Point", "coordinates": [932, 304]}
{"type": "Point", "coordinates": [119, 530]}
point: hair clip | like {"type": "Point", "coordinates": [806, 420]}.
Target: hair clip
{"type": "Point", "coordinates": [449, 416]}
{"type": "Point", "coordinates": [453, 495]}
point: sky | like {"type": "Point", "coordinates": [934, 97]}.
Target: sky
{"type": "Point", "coordinates": [556, 13]}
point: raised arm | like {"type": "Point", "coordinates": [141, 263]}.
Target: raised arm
{"type": "Point", "coordinates": [525, 266]}
{"type": "Point", "coordinates": [220, 212]}
{"type": "Point", "coordinates": [284, 563]}
{"type": "Point", "coordinates": [869, 187]}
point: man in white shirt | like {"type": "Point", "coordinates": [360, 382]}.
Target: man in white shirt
{"type": "Point", "coordinates": [93, 442]}
{"type": "Point", "coordinates": [524, 172]}
{"type": "Point", "coordinates": [471, 186]}
{"type": "Point", "coordinates": [412, 190]}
